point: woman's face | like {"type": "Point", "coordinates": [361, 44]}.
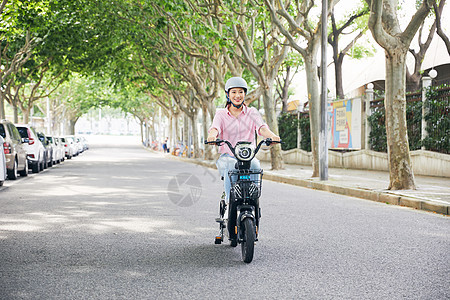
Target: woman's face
{"type": "Point", "coordinates": [236, 95]}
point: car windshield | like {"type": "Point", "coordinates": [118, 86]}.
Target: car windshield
{"type": "Point", "coordinates": [23, 132]}
{"type": "Point", "coordinates": [2, 131]}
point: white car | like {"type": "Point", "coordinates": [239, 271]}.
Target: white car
{"type": "Point", "coordinates": [60, 145]}
{"type": "Point", "coordinates": [2, 163]}
{"type": "Point", "coordinates": [74, 145]}
{"type": "Point", "coordinates": [79, 143]}
{"type": "Point", "coordinates": [58, 149]}
{"type": "Point", "coordinates": [33, 146]}
{"type": "Point", "coordinates": [68, 147]}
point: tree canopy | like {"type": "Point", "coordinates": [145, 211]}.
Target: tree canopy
{"type": "Point", "coordinates": [173, 55]}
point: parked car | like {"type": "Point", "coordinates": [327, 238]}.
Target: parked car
{"type": "Point", "coordinates": [85, 143]}
{"type": "Point", "coordinates": [61, 146]}
{"type": "Point", "coordinates": [68, 147]}
{"type": "Point", "coordinates": [48, 155]}
{"type": "Point", "coordinates": [2, 163]}
{"type": "Point", "coordinates": [58, 149]}
{"type": "Point", "coordinates": [74, 144]}
{"type": "Point", "coordinates": [81, 142]}
{"type": "Point", "coordinates": [34, 148]}
{"type": "Point", "coordinates": [14, 150]}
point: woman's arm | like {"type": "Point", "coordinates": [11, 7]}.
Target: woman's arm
{"type": "Point", "coordinates": [268, 134]}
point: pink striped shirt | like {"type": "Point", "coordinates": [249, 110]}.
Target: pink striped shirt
{"type": "Point", "coordinates": [237, 129]}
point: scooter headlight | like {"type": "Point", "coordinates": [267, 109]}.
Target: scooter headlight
{"type": "Point", "coordinates": [244, 152]}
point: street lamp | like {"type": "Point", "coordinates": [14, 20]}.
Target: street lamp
{"type": "Point", "coordinates": [433, 73]}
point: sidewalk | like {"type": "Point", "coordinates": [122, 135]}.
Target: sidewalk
{"type": "Point", "coordinates": [432, 193]}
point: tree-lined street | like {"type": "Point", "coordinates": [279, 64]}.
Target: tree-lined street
{"type": "Point", "coordinates": [165, 62]}
{"type": "Point", "coordinates": [116, 224]}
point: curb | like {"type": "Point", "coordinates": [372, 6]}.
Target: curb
{"type": "Point", "coordinates": [387, 198]}
{"type": "Point", "coordinates": [382, 197]}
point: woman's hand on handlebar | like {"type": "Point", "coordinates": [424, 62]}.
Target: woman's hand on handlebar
{"type": "Point", "coordinates": [268, 134]}
{"type": "Point", "coordinates": [275, 138]}
{"type": "Point", "coordinates": [212, 135]}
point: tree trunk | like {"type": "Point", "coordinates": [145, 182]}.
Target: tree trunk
{"type": "Point", "coordinates": [193, 118]}
{"type": "Point", "coordinates": [185, 134]}
{"type": "Point", "coordinates": [15, 113]}
{"type": "Point", "coordinates": [271, 119]}
{"type": "Point", "coordinates": [72, 126]}
{"type": "Point", "coordinates": [152, 132]}
{"type": "Point", "coordinates": [400, 171]}
{"type": "Point", "coordinates": [170, 142]}
{"type": "Point", "coordinates": [205, 126]}
{"type": "Point", "coordinates": [141, 126]}
{"type": "Point", "coordinates": [338, 75]}
{"type": "Point", "coordinates": [26, 116]}
{"type": "Point", "coordinates": [2, 107]}
{"type": "Point", "coordinates": [211, 110]}
{"type": "Point", "coordinates": [176, 128]}
{"type": "Point", "coordinates": [312, 82]}
{"type": "Point", "coordinates": [285, 90]}
{"type": "Point", "coordinates": [413, 82]}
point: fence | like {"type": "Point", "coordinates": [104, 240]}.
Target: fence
{"type": "Point", "coordinates": [434, 116]}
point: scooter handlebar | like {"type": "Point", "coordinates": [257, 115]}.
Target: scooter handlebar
{"type": "Point", "coordinates": [267, 141]}
{"type": "Point", "coordinates": [217, 141]}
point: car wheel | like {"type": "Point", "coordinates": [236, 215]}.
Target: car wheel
{"type": "Point", "coordinates": [35, 167]}
{"type": "Point", "coordinates": [12, 174]}
{"type": "Point", "coordinates": [24, 172]}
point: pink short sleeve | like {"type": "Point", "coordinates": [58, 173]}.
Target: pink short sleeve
{"type": "Point", "coordinates": [257, 118]}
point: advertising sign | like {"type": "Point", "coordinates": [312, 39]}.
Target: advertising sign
{"type": "Point", "coordinates": [345, 120]}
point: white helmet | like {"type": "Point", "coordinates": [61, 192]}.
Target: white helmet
{"type": "Point", "coordinates": [236, 82]}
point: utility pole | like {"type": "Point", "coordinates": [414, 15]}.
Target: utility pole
{"type": "Point", "coordinates": [323, 147]}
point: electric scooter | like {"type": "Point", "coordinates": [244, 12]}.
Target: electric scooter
{"type": "Point", "coordinates": [244, 211]}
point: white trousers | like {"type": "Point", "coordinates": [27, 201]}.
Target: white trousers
{"type": "Point", "coordinates": [226, 163]}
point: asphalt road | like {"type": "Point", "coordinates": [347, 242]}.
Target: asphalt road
{"type": "Point", "coordinates": [120, 222]}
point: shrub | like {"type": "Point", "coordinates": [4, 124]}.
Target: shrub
{"type": "Point", "coordinates": [288, 128]}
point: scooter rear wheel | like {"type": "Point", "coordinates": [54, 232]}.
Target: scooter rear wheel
{"type": "Point", "coordinates": [248, 243]}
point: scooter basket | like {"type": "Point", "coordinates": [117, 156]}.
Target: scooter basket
{"type": "Point", "coordinates": [246, 184]}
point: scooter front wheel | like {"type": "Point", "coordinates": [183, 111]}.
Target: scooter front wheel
{"type": "Point", "coordinates": [248, 243]}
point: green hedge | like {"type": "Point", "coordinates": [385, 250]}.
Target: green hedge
{"type": "Point", "coordinates": [438, 120]}
{"type": "Point", "coordinates": [438, 123]}
{"type": "Point", "coordinates": [436, 116]}
{"type": "Point", "coordinates": [288, 127]}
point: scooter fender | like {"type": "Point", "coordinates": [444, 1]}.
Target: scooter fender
{"type": "Point", "coordinates": [240, 219]}
{"type": "Point", "coordinates": [243, 216]}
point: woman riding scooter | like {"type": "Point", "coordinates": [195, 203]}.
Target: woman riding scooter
{"type": "Point", "coordinates": [236, 122]}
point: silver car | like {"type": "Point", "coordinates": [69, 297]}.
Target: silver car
{"type": "Point", "coordinates": [2, 163]}
{"type": "Point", "coordinates": [68, 147]}
{"type": "Point", "coordinates": [58, 149]}
{"type": "Point", "coordinates": [34, 147]}
{"type": "Point", "coordinates": [14, 150]}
